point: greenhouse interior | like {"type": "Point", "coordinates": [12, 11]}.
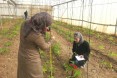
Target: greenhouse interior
{"type": "Point", "coordinates": [58, 39]}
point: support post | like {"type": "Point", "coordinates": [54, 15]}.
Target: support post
{"type": "Point", "coordinates": [116, 28]}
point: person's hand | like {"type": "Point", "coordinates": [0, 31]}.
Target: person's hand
{"type": "Point", "coordinates": [49, 42]}
{"type": "Point", "coordinates": [48, 28]}
{"type": "Point", "coordinates": [53, 37]}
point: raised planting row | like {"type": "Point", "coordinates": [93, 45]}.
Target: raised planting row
{"type": "Point", "coordinates": [4, 20]}
{"type": "Point", "coordinates": [7, 35]}
{"type": "Point", "coordinates": [98, 35]}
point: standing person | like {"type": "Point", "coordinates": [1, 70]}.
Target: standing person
{"type": "Point", "coordinates": [26, 14]}
{"type": "Point", "coordinates": [31, 41]}
{"type": "Point", "coordinates": [81, 50]}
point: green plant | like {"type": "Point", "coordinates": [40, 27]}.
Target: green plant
{"type": "Point", "coordinates": [112, 54]}
{"type": "Point", "coordinates": [66, 34]}
{"type": "Point", "coordinates": [8, 43]}
{"type": "Point", "coordinates": [101, 47]}
{"type": "Point", "coordinates": [98, 36]}
{"type": "Point", "coordinates": [4, 20]}
{"type": "Point", "coordinates": [47, 69]}
{"type": "Point", "coordinates": [4, 31]}
{"type": "Point", "coordinates": [47, 37]}
{"type": "Point", "coordinates": [4, 50]}
{"type": "Point", "coordinates": [11, 32]}
{"type": "Point", "coordinates": [56, 48]}
{"type": "Point", "coordinates": [106, 64]}
{"type": "Point", "coordinates": [77, 72]}
{"type": "Point", "coordinates": [51, 77]}
{"type": "Point", "coordinates": [112, 40]}
{"type": "Point", "coordinates": [85, 31]}
{"type": "Point", "coordinates": [42, 54]}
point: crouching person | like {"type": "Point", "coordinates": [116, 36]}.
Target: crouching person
{"type": "Point", "coordinates": [81, 51]}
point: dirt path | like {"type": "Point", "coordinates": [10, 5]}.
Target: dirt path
{"type": "Point", "coordinates": [8, 63]}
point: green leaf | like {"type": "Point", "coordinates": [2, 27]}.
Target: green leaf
{"type": "Point", "coordinates": [56, 48]}
{"type": "Point", "coordinates": [44, 70]}
{"type": "Point", "coordinates": [112, 54]}
{"type": "Point", "coordinates": [101, 47]}
{"type": "Point", "coordinates": [8, 43]}
{"type": "Point", "coordinates": [77, 73]}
